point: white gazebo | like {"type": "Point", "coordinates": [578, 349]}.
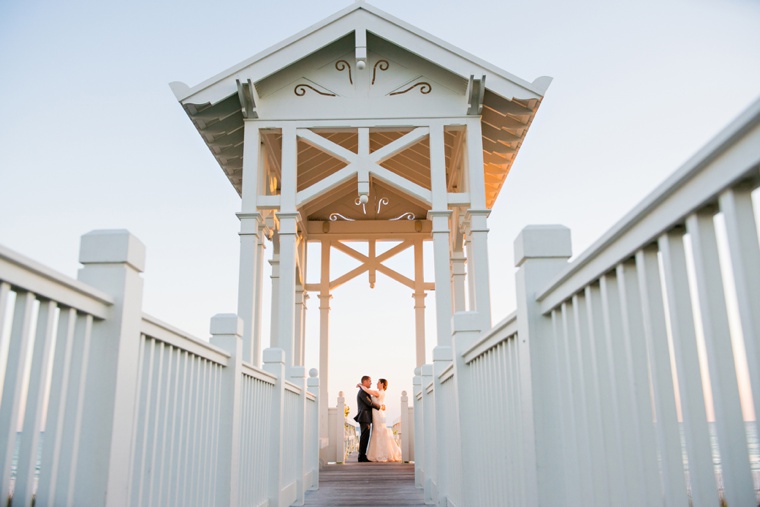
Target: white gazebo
{"type": "Point", "coordinates": [362, 128]}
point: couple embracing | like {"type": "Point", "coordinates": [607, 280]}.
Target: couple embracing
{"type": "Point", "coordinates": [380, 446]}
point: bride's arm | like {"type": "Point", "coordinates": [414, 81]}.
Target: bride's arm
{"type": "Point", "coordinates": [368, 390]}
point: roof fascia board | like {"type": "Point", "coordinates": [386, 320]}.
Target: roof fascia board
{"type": "Point", "coordinates": [440, 54]}
{"type": "Point", "coordinates": [340, 24]}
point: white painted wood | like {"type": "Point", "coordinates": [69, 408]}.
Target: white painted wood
{"type": "Point", "coordinates": [10, 409]}
{"type": "Point", "coordinates": [732, 439]}
{"type": "Point", "coordinates": [226, 331]}
{"type": "Point", "coordinates": [542, 409]}
{"type": "Point", "coordinates": [163, 332]}
{"type": "Point", "coordinates": [446, 438]}
{"type": "Point", "coordinates": [274, 363]}
{"type": "Point", "coordinates": [419, 426]}
{"type": "Point", "coordinates": [35, 403]}
{"type": "Point", "coordinates": [324, 340]}
{"type": "Point", "coordinates": [312, 466]}
{"type": "Point", "coordinates": [639, 412]}
{"type": "Point", "coordinates": [249, 283]}
{"type": "Point", "coordinates": [20, 271]}
{"type": "Point", "coordinates": [607, 470]}
{"type": "Point", "coordinates": [419, 304]}
{"type": "Point", "coordinates": [442, 275]}
{"type": "Point", "coordinates": [727, 158]}
{"type": "Point", "coordinates": [274, 320]}
{"type": "Point", "coordinates": [697, 436]}
{"type": "Point", "coordinates": [51, 453]}
{"type": "Point", "coordinates": [477, 231]}
{"type": "Point", "coordinates": [113, 261]}
{"type": "Point", "coordinates": [428, 406]}
{"type": "Point", "coordinates": [741, 230]}
{"type": "Point", "coordinates": [656, 339]}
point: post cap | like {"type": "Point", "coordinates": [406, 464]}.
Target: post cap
{"type": "Point", "coordinates": [226, 323]}
{"type": "Point", "coordinates": [541, 242]}
{"type": "Point", "coordinates": [273, 355]}
{"type": "Point", "coordinates": [442, 353]}
{"type": "Point", "coordinates": [466, 322]}
{"type": "Point", "coordinates": [114, 246]}
{"type": "Point", "coordinates": [313, 373]}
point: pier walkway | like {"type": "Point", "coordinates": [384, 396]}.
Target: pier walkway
{"type": "Point", "coordinates": [366, 484]}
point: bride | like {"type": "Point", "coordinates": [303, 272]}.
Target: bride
{"type": "Point", "coordinates": [382, 447]}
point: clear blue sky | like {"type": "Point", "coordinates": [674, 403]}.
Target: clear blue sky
{"type": "Point", "coordinates": [91, 136]}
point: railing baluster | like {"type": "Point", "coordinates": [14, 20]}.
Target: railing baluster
{"type": "Point", "coordinates": [574, 480]}
{"type": "Point", "coordinates": [701, 472]}
{"type": "Point", "coordinates": [38, 380]}
{"type": "Point", "coordinates": [741, 230]}
{"type": "Point", "coordinates": [655, 334]}
{"type": "Point", "coordinates": [10, 403]}
{"type": "Point", "coordinates": [638, 407]}
{"type": "Point", "coordinates": [732, 439]}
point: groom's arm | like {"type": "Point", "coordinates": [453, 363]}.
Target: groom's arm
{"type": "Point", "coordinates": [368, 401]}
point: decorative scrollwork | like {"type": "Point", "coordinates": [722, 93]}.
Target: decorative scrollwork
{"type": "Point", "coordinates": [342, 65]}
{"type": "Point", "coordinates": [358, 202]}
{"type": "Point", "coordinates": [300, 90]}
{"type": "Point", "coordinates": [335, 216]}
{"type": "Point", "coordinates": [405, 216]}
{"type": "Point", "coordinates": [425, 88]}
{"type": "Point", "coordinates": [383, 64]}
{"type": "Point", "coordinates": [382, 202]}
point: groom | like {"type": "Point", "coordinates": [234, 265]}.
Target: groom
{"type": "Point", "coordinates": [365, 405]}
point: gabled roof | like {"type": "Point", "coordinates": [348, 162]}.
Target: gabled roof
{"type": "Point", "coordinates": [506, 104]}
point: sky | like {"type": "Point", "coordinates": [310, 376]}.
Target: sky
{"type": "Point", "coordinates": [91, 137]}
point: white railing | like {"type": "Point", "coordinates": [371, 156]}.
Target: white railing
{"type": "Point", "coordinates": [138, 412]}
{"type": "Point", "coordinates": [596, 391]}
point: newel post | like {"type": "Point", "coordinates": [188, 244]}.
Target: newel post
{"type": "Point", "coordinates": [313, 386]}
{"type": "Point", "coordinates": [274, 363]}
{"type": "Point", "coordinates": [297, 376]}
{"type": "Point", "coordinates": [226, 333]}
{"type": "Point", "coordinates": [430, 485]}
{"type": "Point", "coordinates": [541, 252]}
{"type": "Point", "coordinates": [406, 431]}
{"type": "Point", "coordinates": [466, 328]}
{"type": "Point", "coordinates": [113, 261]}
{"type": "Point", "coordinates": [340, 429]}
{"type": "Point", "coordinates": [419, 429]}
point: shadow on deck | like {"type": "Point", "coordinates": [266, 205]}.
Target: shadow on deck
{"type": "Point", "coordinates": [366, 484]}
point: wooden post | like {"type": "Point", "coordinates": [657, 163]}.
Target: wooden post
{"type": "Point", "coordinates": [274, 363]}
{"type": "Point", "coordinates": [226, 331]}
{"type": "Point", "coordinates": [340, 429]}
{"type": "Point", "coordinates": [113, 261]}
{"type": "Point", "coordinates": [313, 387]}
{"type": "Point", "coordinates": [419, 426]}
{"type": "Point", "coordinates": [445, 470]}
{"type": "Point", "coordinates": [428, 407]}
{"type": "Point", "coordinates": [466, 330]}
{"type": "Point", "coordinates": [406, 431]}
{"type": "Point", "coordinates": [540, 253]}
{"type": "Point", "coordinates": [297, 376]}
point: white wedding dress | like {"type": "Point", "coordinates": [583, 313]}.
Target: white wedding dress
{"type": "Point", "coordinates": [382, 447]}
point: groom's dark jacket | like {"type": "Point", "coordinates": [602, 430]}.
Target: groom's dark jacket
{"type": "Point", "coordinates": [365, 406]}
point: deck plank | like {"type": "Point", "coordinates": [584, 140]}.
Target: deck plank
{"type": "Point", "coordinates": [356, 484]}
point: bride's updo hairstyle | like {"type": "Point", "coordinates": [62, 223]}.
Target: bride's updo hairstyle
{"type": "Point", "coordinates": [385, 384]}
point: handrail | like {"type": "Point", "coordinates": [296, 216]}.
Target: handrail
{"type": "Point", "coordinates": [170, 335]}
{"type": "Point", "coordinates": [253, 372]}
{"type": "Point", "coordinates": [289, 386]}
{"type": "Point", "coordinates": [491, 338]}
{"type": "Point", "coordinates": [26, 274]}
{"type": "Point", "coordinates": [447, 373]}
{"type": "Point", "coordinates": [694, 184]}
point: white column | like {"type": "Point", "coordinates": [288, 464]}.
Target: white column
{"type": "Point", "coordinates": [442, 266]}
{"type": "Point", "coordinates": [478, 264]}
{"type": "Point", "coordinates": [286, 301]}
{"type": "Point", "coordinates": [299, 325]}
{"type": "Point", "coordinates": [324, 338]}
{"type": "Point", "coordinates": [274, 328]}
{"type": "Point", "coordinates": [251, 243]}
{"type": "Point", "coordinates": [458, 280]}
{"type": "Point", "coordinates": [419, 303]}
{"type": "Point", "coordinates": [249, 282]}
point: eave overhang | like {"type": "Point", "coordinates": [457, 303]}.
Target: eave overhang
{"type": "Point", "coordinates": [505, 103]}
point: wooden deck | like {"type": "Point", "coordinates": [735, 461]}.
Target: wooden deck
{"type": "Point", "coordinates": [366, 484]}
